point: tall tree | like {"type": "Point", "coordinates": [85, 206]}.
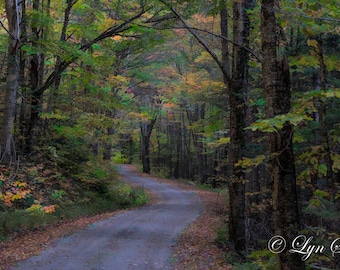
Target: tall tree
{"type": "Point", "coordinates": [36, 74]}
{"type": "Point", "coordinates": [70, 52]}
{"type": "Point", "coordinates": [150, 103]}
{"type": "Point", "coordinates": [146, 130]}
{"type": "Point", "coordinates": [13, 74]}
{"type": "Point", "coordinates": [195, 115]}
{"type": "Point", "coordinates": [237, 92]}
{"type": "Point", "coordinates": [235, 80]}
{"type": "Point", "coordinates": [276, 83]}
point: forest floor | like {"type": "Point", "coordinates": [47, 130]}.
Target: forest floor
{"type": "Point", "coordinates": [196, 247]}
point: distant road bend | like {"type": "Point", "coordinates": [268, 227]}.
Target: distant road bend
{"type": "Point", "coordinates": [137, 239]}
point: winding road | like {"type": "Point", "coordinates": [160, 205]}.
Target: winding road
{"type": "Point", "coordinates": [136, 239]}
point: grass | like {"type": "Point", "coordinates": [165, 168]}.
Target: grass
{"type": "Point", "coordinates": [120, 196]}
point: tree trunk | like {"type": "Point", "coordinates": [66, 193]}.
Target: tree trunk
{"type": "Point", "coordinates": [13, 74]}
{"type": "Point", "coordinates": [145, 145]}
{"type": "Point", "coordinates": [237, 87]}
{"type": "Point", "coordinates": [130, 149]}
{"type": "Point", "coordinates": [276, 81]}
{"type": "Point", "coordinates": [22, 83]}
{"type": "Point", "coordinates": [184, 156]}
{"type": "Point", "coordinates": [193, 117]}
{"type": "Point", "coordinates": [110, 131]}
{"type": "Point", "coordinates": [322, 111]}
{"type": "Point", "coordinates": [224, 43]}
{"type": "Point", "coordinates": [36, 80]}
{"type": "Point", "coordinates": [253, 185]}
{"type": "Point", "coordinates": [169, 132]}
{"type": "Point", "coordinates": [177, 148]}
{"type": "Point", "coordinates": [107, 151]}
{"type": "Point", "coordinates": [36, 103]}
{"type": "Point", "coordinates": [146, 130]}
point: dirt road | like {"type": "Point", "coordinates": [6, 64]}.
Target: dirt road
{"type": "Point", "coordinates": [136, 239]}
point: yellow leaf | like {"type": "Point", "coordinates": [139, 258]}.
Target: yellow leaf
{"type": "Point", "coordinates": [48, 209]}
{"type": "Point", "coordinates": [20, 184]}
{"type": "Point", "coordinates": [9, 194]}
{"type": "Point", "coordinates": [17, 196]}
{"type": "Point", "coordinates": [312, 43]}
{"type": "Point", "coordinates": [117, 38]}
{"type": "Point", "coordinates": [34, 207]}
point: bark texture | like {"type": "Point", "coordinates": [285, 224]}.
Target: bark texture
{"type": "Point", "coordinates": [276, 80]}
{"type": "Point", "coordinates": [237, 92]}
{"type": "Point", "coordinates": [13, 74]}
{"type": "Point", "coordinates": [146, 130]}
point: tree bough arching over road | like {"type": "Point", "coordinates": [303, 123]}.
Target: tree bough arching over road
{"type": "Point", "coordinates": [240, 97]}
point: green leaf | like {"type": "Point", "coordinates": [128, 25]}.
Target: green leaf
{"type": "Point", "coordinates": [219, 143]}
{"type": "Point", "coordinates": [322, 169]}
{"type": "Point", "coordinates": [260, 102]}
{"type": "Point", "coordinates": [250, 162]}
{"type": "Point", "coordinates": [320, 193]}
{"type": "Point", "coordinates": [29, 50]}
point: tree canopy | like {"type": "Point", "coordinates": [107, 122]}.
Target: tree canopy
{"type": "Point", "coordinates": [242, 95]}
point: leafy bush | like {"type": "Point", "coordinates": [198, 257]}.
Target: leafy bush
{"type": "Point", "coordinates": [20, 220]}
{"type": "Point", "coordinates": [120, 196]}
{"type": "Point", "coordinates": [43, 195]}
{"type": "Point", "coordinates": [222, 237]}
{"type": "Point", "coordinates": [119, 158]}
{"type": "Point", "coordinates": [96, 175]}
{"type": "Point", "coordinates": [128, 196]}
{"type": "Point", "coordinates": [259, 260]}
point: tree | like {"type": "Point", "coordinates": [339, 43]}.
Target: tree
{"type": "Point", "coordinates": [70, 52]}
{"type": "Point", "coordinates": [276, 83]}
{"type": "Point", "coordinates": [36, 79]}
{"type": "Point", "coordinates": [146, 130]}
{"type": "Point", "coordinates": [237, 93]}
{"type": "Point", "coordinates": [13, 73]}
{"type": "Point", "coordinates": [236, 84]}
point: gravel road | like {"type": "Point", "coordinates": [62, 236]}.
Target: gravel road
{"type": "Point", "coordinates": [136, 239]}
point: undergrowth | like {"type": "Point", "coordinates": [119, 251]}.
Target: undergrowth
{"type": "Point", "coordinates": [40, 194]}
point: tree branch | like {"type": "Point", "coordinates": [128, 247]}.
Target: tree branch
{"type": "Point", "coordinates": [3, 26]}
{"type": "Point", "coordinates": [198, 38]}
{"type": "Point", "coordinates": [112, 31]}
{"type": "Point", "coordinates": [308, 17]}
{"type": "Point", "coordinates": [227, 39]}
{"type": "Point", "coordinates": [70, 4]}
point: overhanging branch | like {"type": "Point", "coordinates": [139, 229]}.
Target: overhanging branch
{"type": "Point", "coordinates": [110, 32]}
{"type": "Point", "coordinates": [4, 27]}
{"type": "Point", "coordinates": [227, 39]}
{"type": "Point", "coordinates": [197, 37]}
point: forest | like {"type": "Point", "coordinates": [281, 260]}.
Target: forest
{"type": "Point", "coordinates": [236, 95]}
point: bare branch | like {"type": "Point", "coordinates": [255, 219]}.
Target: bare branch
{"type": "Point", "coordinates": [70, 4]}
{"type": "Point", "coordinates": [227, 39]}
{"type": "Point", "coordinates": [3, 26]}
{"type": "Point", "coordinates": [197, 37]}
{"type": "Point", "coordinates": [308, 17]}
{"type": "Point", "coordinates": [112, 31]}
{"type": "Point", "coordinates": [160, 19]}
